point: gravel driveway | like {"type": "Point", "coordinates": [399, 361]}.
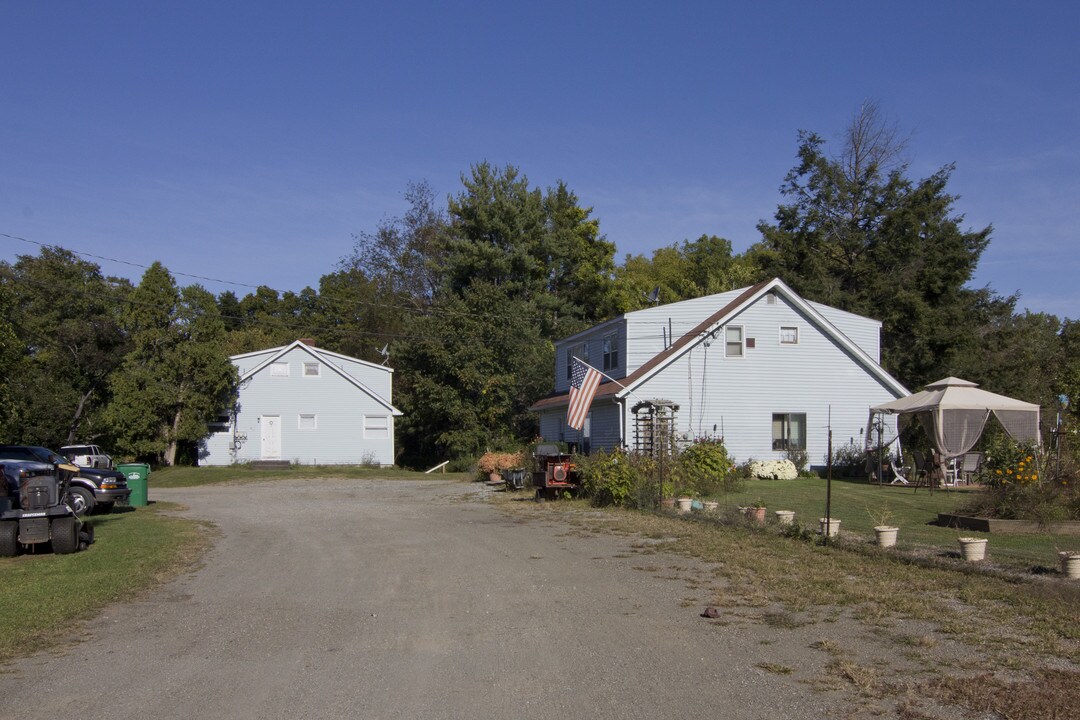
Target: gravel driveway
{"type": "Point", "coordinates": [404, 599]}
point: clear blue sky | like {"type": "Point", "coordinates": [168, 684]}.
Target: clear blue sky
{"type": "Point", "coordinates": [248, 141]}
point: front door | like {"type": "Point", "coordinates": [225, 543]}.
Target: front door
{"type": "Point", "coordinates": [271, 437]}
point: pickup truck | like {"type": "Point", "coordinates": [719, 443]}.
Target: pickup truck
{"type": "Point", "coordinates": [89, 488]}
{"type": "Point", "coordinates": [87, 456]}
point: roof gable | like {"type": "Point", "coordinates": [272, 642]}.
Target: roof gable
{"type": "Point", "coordinates": [323, 356]}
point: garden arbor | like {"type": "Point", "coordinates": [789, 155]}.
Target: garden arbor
{"type": "Point", "coordinates": [953, 412]}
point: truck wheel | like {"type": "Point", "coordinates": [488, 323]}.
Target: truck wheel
{"type": "Point", "coordinates": [65, 535]}
{"type": "Point", "coordinates": [82, 500]}
{"type": "Point", "coordinates": [9, 539]}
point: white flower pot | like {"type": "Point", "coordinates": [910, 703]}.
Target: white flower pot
{"type": "Point", "coordinates": [685, 504]}
{"type": "Point", "coordinates": [973, 549]}
{"type": "Point", "coordinates": [711, 506]}
{"type": "Point", "coordinates": [830, 527]}
{"type": "Point", "coordinates": [785, 517]}
{"type": "Point", "coordinates": [1070, 564]}
{"type": "Point", "coordinates": [886, 536]}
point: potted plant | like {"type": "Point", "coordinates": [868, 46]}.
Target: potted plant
{"type": "Point", "coordinates": [686, 502]}
{"type": "Point", "coordinates": [883, 527]}
{"type": "Point", "coordinates": [492, 464]}
{"type": "Point", "coordinates": [756, 511]}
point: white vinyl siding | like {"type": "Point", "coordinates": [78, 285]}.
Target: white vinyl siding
{"type": "Point", "coordinates": [307, 422]}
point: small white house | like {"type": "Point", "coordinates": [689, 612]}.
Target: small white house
{"type": "Point", "coordinates": [309, 406]}
{"type": "Point", "coordinates": [761, 367]}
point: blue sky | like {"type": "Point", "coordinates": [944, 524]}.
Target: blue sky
{"type": "Point", "coordinates": [249, 141]}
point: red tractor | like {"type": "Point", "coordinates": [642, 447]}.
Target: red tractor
{"type": "Point", "coordinates": [556, 473]}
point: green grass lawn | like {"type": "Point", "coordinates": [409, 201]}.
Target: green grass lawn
{"type": "Point", "coordinates": [913, 512]}
{"type": "Point", "coordinates": [194, 476]}
{"type": "Point", "coordinates": [45, 596]}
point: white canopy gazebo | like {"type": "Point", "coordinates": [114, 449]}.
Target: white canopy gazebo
{"type": "Point", "coordinates": [954, 413]}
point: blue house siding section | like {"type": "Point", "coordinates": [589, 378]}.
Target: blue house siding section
{"type": "Point", "coordinates": [797, 360]}
{"type": "Point", "coordinates": [736, 397]}
{"type": "Point", "coordinates": [329, 415]}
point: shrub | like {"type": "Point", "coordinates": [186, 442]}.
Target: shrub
{"type": "Point", "coordinates": [491, 462]}
{"type": "Point", "coordinates": [848, 460]}
{"type": "Point", "coordinates": [704, 468]}
{"type": "Point", "coordinates": [618, 478]}
{"type": "Point", "coordinates": [773, 470]}
{"type": "Point", "coordinates": [799, 458]}
{"type": "Point", "coordinates": [1022, 483]}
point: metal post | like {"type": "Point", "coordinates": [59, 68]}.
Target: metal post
{"type": "Point", "coordinates": [828, 484]}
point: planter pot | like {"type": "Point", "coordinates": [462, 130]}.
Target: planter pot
{"type": "Point", "coordinates": [830, 527]}
{"type": "Point", "coordinates": [973, 549]}
{"type": "Point", "coordinates": [668, 503]}
{"type": "Point", "coordinates": [1070, 564]}
{"type": "Point", "coordinates": [685, 504]}
{"type": "Point", "coordinates": [711, 506]}
{"type": "Point", "coordinates": [886, 536]}
{"type": "Point", "coordinates": [785, 517]}
{"type": "Point", "coordinates": [755, 514]}
{"type": "Point", "coordinates": [495, 477]}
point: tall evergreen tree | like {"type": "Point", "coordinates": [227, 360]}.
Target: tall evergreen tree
{"type": "Point", "coordinates": [859, 235]}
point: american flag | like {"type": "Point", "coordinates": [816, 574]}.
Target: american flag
{"type": "Point", "coordinates": [584, 380]}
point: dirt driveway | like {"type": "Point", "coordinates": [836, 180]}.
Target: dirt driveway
{"type": "Point", "coordinates": [400, 599]}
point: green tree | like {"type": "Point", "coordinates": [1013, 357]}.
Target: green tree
{"type": "Point", "coordinates": [67, 340]}
{"type": "Point", "coordinates": [859, 235]}
{"type": "Point", "coordinates": [543, 248]}
{"type": "Point", "coordinates": [177, 377]}
{"type": "Point", "coordinates": [467, 373]}
{"type": "Point", "coordinates": [680, 272]}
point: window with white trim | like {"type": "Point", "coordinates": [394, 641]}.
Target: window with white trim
{"type": "Point", "coordinates": [376, 427]}
{"type": "Point", "coordinates": [307, 422]}
{"type": "Point", "coordinates": [789, 431]}
{"type": "Point", "coordinates": [312, 369]}
{"type": "Point", "coordinates": [279, 369]}
{"type": "Point", "coordinates": [789, 335]}
{"type": "Point", "coordinates": [611, 351]}
{"type": "Point", "coordinates": [733, 341]}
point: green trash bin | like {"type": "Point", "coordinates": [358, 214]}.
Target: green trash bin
{"type": "Point", "coordinates": [138, 476]}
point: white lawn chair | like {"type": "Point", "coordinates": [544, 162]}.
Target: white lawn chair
{"type": "Point", "coordinates": [898, 474]}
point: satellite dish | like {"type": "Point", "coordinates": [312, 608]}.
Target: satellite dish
{"type": "Point", "coordinates": [654, 296]}
{"type": "Point", "coordinates": [385, 352]}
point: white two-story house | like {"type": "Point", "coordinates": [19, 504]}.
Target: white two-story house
{"type": "Point", "coordinates": [309, 406]}
{"type": "Point", "coordinates": [761, 367]}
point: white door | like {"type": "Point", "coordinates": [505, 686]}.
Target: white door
{"type": "Point", "coordinates": [271, 437]}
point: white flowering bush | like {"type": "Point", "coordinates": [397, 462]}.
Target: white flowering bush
{"type": "Point", "coordinates": [773, 470]}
